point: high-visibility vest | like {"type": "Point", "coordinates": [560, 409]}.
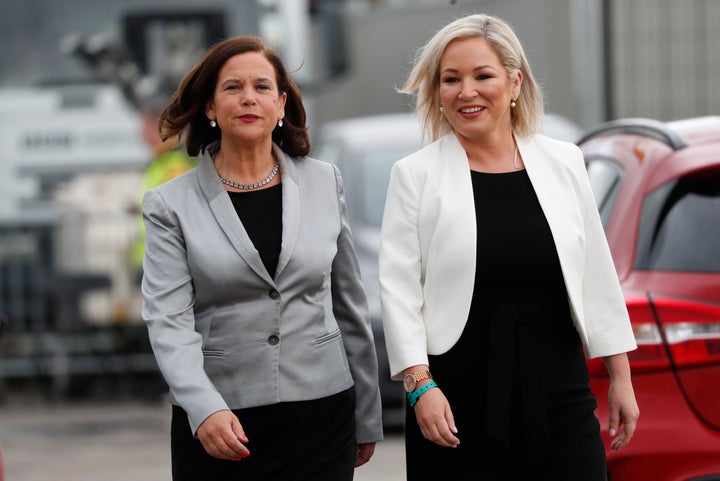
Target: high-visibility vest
{"type": "Point", "coordinates": [168, 166]}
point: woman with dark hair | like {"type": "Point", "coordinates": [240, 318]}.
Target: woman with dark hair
{"type": "Point", "coordinates": [251, 291]}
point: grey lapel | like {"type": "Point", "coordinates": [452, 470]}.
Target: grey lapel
{"type": "Point", "coordinates": [291, 208]}
{"type": "Point", "coordinates": [224, 212]}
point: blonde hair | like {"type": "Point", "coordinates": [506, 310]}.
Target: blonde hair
{"type": "Point", "coordinates": [424, 78]}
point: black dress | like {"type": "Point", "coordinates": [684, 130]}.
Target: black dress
{"type": "Point", "coordinates": [516, 380]}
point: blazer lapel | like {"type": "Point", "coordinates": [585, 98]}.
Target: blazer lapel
{"type": "Point", "coordinates": [224, 212]}
{"type": "Point", "coordinates": [291, 208]}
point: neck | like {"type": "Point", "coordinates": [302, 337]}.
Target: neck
{"type": "Point", "coordinates": [244, 170]}
{"type": "Point", "coordinates": [494, 155]}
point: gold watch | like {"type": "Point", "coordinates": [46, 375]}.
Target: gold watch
{"type": "Point", "coordinates": [410, 380]}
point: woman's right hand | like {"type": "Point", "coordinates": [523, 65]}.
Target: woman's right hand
{"type": "Point", "coordinates": [435, 418]}
{"type": "Point", "coordinates": [222, 436]}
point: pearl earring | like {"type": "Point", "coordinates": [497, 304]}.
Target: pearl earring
{"type": "Point", "coordinates": [213, 124]}
{"type": "Point", "coordinates": [513, 104]}
{"type": "Point", "coordinates": [442, 109]}
{"type": "Point", "coordinates": [280, 123]}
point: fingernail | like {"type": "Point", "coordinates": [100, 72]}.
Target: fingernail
{"type": "Point", "coordinates": [612, 431]}
{"type": "Point", "coordinates": [454, 429]}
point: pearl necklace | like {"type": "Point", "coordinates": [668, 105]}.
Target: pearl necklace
{"type": "Point", "coordinates": [266, 180]}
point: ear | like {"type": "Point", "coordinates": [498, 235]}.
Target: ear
{"type": "Point", "coordinates": [210, 111]}
{"type": "Point", "coordinates": [281, 105]}
{"type": "Point", "coordinates": [517, 84]}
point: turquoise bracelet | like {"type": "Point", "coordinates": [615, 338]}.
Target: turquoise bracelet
{"type": "Point", "coordinates": [413, 396]}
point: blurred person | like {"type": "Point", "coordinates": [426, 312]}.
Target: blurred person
{"type": "Point", "coordinates": [252, 293]}
{"type": "Point", "coordinates": [495, 274]}
{"type": "Point", "coordinates": [168, 161]}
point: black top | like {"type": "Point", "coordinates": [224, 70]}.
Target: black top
{"type": "Point", "coordinates": [516, 379]}
{"type": "Point", "coordinates": [516, 253]}
{"type": "Point", "coordinates": [519, 308]}
{"type": "Point", "coordinates": [260, 212]}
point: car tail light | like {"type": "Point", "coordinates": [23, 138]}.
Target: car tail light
{"type": "Point", "coordinates": [682, 336]}
{"type": "Point", "coordinates": [670, 332]}
{"type": "Point", "coordinates": [691, 330]}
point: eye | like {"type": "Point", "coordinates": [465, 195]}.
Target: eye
{"type": "Point", "coordinates": [483, 76]}
{"type": "Point", "coordinates": [450, 80]}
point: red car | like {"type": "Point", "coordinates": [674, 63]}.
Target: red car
{"type": "Point", "coordinates": [657, 186]}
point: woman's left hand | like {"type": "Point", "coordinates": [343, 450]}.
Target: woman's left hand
{"type": "Point", "coordinates": [624, 413]}
{"type": "Point", "coordinates": [365, 451]}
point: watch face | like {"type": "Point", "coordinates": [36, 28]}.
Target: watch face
{"type": "Point", "coordinates": [409, 382]}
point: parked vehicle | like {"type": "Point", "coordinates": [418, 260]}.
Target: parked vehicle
{"type": "Point", "coordinates": [657, 186]}
{"type": "Point", "coordinates": [364, 150]}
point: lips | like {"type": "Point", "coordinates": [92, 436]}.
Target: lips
{"type": "Point", "coordinates": [471, 110]}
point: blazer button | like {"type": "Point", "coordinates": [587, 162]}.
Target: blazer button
{"type": "Point", "coordinates": [273, 340]}
{"type": "Point", "coordinates": [274, 294]}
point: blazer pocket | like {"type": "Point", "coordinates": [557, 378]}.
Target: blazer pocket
{"type": "Point", "coordinates": [327, 337]}
{"type": "Point", "coordinates": [213, 353]}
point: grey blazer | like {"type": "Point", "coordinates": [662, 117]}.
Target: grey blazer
{"type": "Point", "coordinates": [226, 334]}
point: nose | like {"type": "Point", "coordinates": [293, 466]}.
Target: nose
{"type": "Point", "coordinates": [467, 90]}
{"type": "Point", "coordinates": [248, 97]}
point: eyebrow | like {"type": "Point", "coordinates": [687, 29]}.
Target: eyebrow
{"type": "Point", "coordinates": [255, 80]}
{"type": "Point", "coordinates": [476, 69]}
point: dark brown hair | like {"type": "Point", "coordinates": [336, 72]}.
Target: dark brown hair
{"type": "Point", "coordinates": [185, 114]}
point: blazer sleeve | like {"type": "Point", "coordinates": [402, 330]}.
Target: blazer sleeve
{"type": "Point", "coordinates": [400, 273]}
{"type": "Point", "coordinates": [168, 300]}
{"type": "Point", "coordinates": [351, 311]}
{"type": "Point", "coordinates": [609, 330]}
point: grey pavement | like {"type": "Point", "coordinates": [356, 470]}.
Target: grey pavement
{"type": "Point", "coordinates": [113, 442]}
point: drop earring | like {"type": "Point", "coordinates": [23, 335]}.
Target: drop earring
{"type": "Point", "coordinates": [442, 109]}
{"type": "Point", "coordinates": [280, 123]}
{"type": "Point", "coordinates": [213, 124]}
{"type": "Point", "coordinates": [512, 103]}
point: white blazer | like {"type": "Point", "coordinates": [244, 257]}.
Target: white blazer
{"type": "Point", "coordinates": [427, 250]}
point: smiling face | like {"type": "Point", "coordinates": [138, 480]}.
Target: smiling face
{"type": "Point", "coordinates": [246, 103]}
{"type": "Point", "coordinates": [475, 89]}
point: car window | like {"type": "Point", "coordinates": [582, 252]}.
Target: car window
{"type": "Point", "coordinates": [680, 226]}
{"type": "Point", "coordinates": [376, 166]}
{"type": "Point", "coordinates": [605, 179]}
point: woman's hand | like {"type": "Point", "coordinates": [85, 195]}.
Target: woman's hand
{"type": "Point", "coordinates": [365, 451]}
{"type": "Point", "coordinates": [222, 436]}
{"type": "Point", "coordinates": [624, 414]}
{"type": "Point", "coordinates": [435, 418]}
{"type": "Point", "coordinates": [624, 410]}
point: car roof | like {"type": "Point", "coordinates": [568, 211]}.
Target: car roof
{"type": "Point", "coordinates": [388, 128]}
{"type": "Point", "coordinates": [400, 127]}
{"type": "Point", "coordinates": [676, 134]}
{"type": "Point", "coordinates": [697, 130]}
